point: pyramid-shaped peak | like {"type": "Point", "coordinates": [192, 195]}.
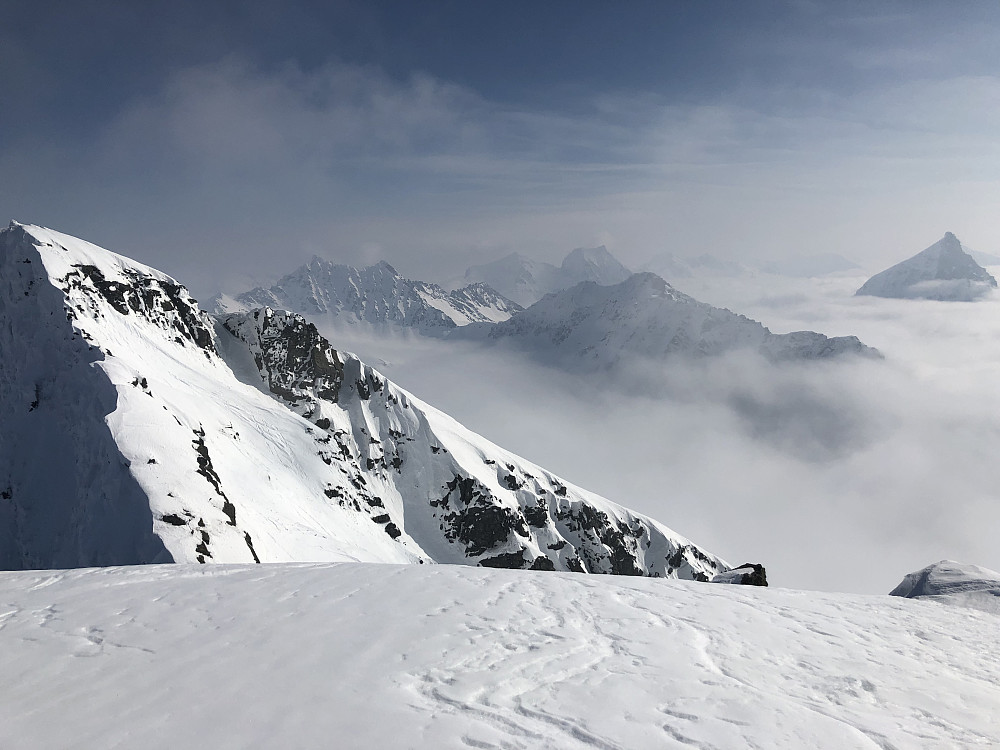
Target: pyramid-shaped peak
{"type": "Point", "coordinates": [949, 242]}
{"type": "Point", "coordinates": [594, 264]}
{"type": "Point", "coordinates": [943, 271]}
{"type": "Point", "coordinates": [597, 254]}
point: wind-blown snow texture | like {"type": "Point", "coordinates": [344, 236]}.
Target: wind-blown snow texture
{"type": "Point", "coordinates": [944, 271]}
{"type": "Point", "coordinates": [596, 327]}
{"type": "Point", "coordinates": [376, 656]}
{"type": "Point", "coordinates": [376, 295]}
{"type": "Point", "coordinates": [136, 430]}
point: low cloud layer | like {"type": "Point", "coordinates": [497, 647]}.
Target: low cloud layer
{"type": "Point", "coordinates": [837, 476]}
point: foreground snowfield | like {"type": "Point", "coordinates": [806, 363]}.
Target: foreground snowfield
{"type": "Point", "coordinates": [385, 656]}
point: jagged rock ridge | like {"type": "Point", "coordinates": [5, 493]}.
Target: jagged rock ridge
{"type": "Point", "coordinates": [377, 295]}
{"type": "Point", "coordinates": [944, 271]}
{"type": "Point", "coordinates": [138, 429]}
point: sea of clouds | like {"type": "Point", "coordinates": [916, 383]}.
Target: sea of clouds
{"type": "Point", "coordinates": [838, 476]}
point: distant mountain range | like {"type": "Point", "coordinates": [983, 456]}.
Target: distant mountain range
{"type": "Point", "coordinates": [590, 311]}
{"type": "Point", "coordinates": [376, 295]}
{"type": "Point", "coordinates": [597, 327]}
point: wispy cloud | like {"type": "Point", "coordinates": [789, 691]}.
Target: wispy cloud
{"type": "Point", "coordinates": [265, 166]}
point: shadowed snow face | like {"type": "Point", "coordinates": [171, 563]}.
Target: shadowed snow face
{"type": "Point", "coordinates": [838, 475]}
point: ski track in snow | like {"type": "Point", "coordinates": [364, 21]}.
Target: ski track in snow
{"type": "Point", "coordinates": [383, 656]}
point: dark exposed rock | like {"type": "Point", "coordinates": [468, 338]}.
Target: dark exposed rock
{"type": "Point", "coordinates": [249, 541]}
{"type": "Point", "coordinates": [747, 574]}
{"type": "Point", "coordinates": [604, 546]}
{"type": "Point", "coordinates": [542, 563]}
{"type": "Point", "coordinates": [297, 363]}
{"type": "Point", "coordinates": [162, 302]}
{"type": "Point", "coordinates": [477, 520]}
{"type": "Point", "coordinates": [510, 560]}
{"type": "Point", "coordinates": [536, 515]}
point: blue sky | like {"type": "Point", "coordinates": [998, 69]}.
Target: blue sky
{"type": "Point", "coordinates": [221, 141]}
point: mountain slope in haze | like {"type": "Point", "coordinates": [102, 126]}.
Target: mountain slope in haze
{"type": "Point", "coordinates": [526, 281]}
{"type": "Point", "coordinates": [669, 266]}
{"type": "Point", "coordinates": [376, 295]}
{"type": "Point", "coordinates": [597, 327]}
{"type": "Point", "coordinates": [944, 271]}
{"type": "Point", "coordinates": [138, 429]}
{"type": "Point", "coordinates": [808, 266]}
{"type": "Point", "coordinates": [376, 656]}
{"type": "Point", "coordinates": [983, 259]}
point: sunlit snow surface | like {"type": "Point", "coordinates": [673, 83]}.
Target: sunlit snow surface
{"type": "Point", "coordinates": [380, 656]}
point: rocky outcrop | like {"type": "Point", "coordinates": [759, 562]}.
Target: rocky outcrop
{"type": "Point", "coordinates": [747, 574]}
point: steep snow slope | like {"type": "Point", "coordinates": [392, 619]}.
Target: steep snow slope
{"type": "Point", "coordinates": [944, 271]}
{"type": "Point", "coordinates": [253, 440]}
{"type": "Point", "coordinates": [595, 327]}
{"type": "Point", "coordinates": [950, 582]}
{"type": "Point", "coordinates": [376, 656]}
{"type": "Point", "coordinates": [376, 295]}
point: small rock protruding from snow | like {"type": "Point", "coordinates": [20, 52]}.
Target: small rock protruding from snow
{"type": "Point", "coordinates": [748, 574]}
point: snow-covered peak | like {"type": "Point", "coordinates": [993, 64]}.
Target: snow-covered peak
{"type": "Point", "coordinates": [593, 264]}
{"type": "Point", "coordinates": [951, 582]}
{"type": "Point", "coordinates": [526, 281]}
{"type": "Point", "coordinates": [136, 430]}
{"type": "Point", "coordinates": [96, 281]}
{"type": "Point", "coordinates": [954, 582]}
{"type": "Point", "coordinates": [943, 271]}
{"type": "Point", "coordinates": [375, 295]}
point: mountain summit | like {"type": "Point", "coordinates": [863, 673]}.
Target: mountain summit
{"type": "Point", "coordinates": [944, 271]}
{"type": "Point", "coordinates": [526, 281]}
{"type": "Point", "coordinates": [592, 327]}
{"type": "Point", "coordinates": [593, 264]}
{"type": "Point", "coordinates": [376, 295]}
{"type": "Point", "coordinates": [139, 429]}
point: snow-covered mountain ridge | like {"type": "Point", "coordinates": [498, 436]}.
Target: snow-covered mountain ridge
{"type": "Point", "coordinates": [953, 583]}
{"type": "Point", "coordinates": [596, 327]}
{"type": "Point", "coordinates": [943, 271]}
{"type": "Point", "coordinates": [376, 295]}
{"type": "Point", "coordinates": [138, 429]}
